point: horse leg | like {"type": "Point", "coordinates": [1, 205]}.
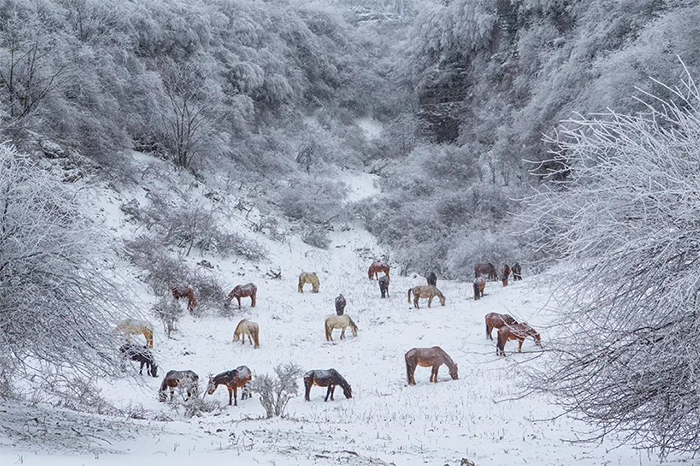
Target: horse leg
{"type": "Point", "coordinates": [342, 334]}
{"type": "Point", "coordinates": [238, 298]}
{"type": "Point", "coordinates": [434, 374]}
{"type": "Point", "coordinates": [250, 338]}
{"type": "Point", "coordinates": [520, 345]}
{"type": "Point", "coordinates": [141, 369]}
{"type": "Point", "coordinates": [230, 392]}
{"type": "Point", "coordinates": [328, 393]}
{"type": "Point", "coordinates": [430, 300]}
{"type": "Point", "coordinates": [307, 391]}
{"type": "Point", "coordinates": [332, 387]}
{"type": "Point", "coordinates": [415, 301]}
{"type": "Point", "coordinates": [235, 396]}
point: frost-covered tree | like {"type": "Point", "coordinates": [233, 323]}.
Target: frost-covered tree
{"type": "Point", "coordinates": [57, 308]}
{"type": "Point", "coordinates": [625, 227]}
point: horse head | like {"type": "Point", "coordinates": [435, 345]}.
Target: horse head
{"type": "Point", "coordinates": [154, 369]}
{"type": "Point", "coordinates": [211, 387]}
{"type": "Point", "coordinates": [162, 396]}
{"type": "Point", "coordinates": [454, 372]}
{"type": "Point", "coordinates": [442, 300]}
{"type": "Point", "coordinates": [347, 391]}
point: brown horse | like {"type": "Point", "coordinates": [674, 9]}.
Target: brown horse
{"type": "Point", "coordinates": [384, 282]}
{"type": "Point", "coordinates": [185, 293]}
{"type": "Point", "coordinates": [429, 357]}
{"type": "Point", "coordinates": [495, 320]}
{"type": "Point", "coordinates": [186, 380]}
{"type": "Point", "coordinates": [247, 327]}
{"type": "Point", "coordinates": [425, 291]}
{"type": "Point", "coordinates": [136, 327]}
{"type": "Point", "coordinates": [515, 332]}
{"type": "Point", "coordinates": [249, 290]}
{"type": "Point", "coordinates": [376, 267]}
{"type": "Point", "coordinates": [517, 272]}
{"type": "Point", "coordinates": [234, 379]}
{"type": "Point", "coordinates": [326, 378]}
{"type": "Point", "coordinates": [479, 286]}
{"type": "Point", "coordinates": [487, 270]}
{"type": "Point", "coordinates": [505, 273]}
{"type": "Point", "coordinates": [308, 277]}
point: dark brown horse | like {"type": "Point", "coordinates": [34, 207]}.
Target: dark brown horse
{"type": "Point", "coordinates": [515, 332]}
{"type": "Point", "coordinates": [233, 379]}
{"type": "Point", "coordinates": [186, 380]}
{"type": "Point", "coordinates": [505, 274]}
{"type": "Point", "coordinates": [479, 286]}
{"type": "Point", "coordinates": [429, 357]}
{"type": "Point", "coordinates": [340, 304]}
{"type": "Point", "coordinates": [487, 270]}
{"type": "Point", "coordinates": [495, 320]}
{"type": "Point", "coordinates": [185, 293]}
{"type": "Point", "coordinates": [384, 285]}
{"type": "Point", "coordinates": [376, 267]}
{"type": "Point", "coordinates": [326, 378]}
{"type": "Point", "coordinates": [517, 272]}
{"type": "Point", "coordinates": [249, 290]}
{"type": "Point", "coordinates": [141, 354]}
{"type": "Point", "coordinates": [432, 279]}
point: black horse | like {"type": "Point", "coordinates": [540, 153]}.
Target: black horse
{"type": "Point", "coordinates": [340, 304]}
{"type": "Point", "coordinates": [505, 274]}
{"type": "Point", "coordinates": [326, 378]}
{"type": "Point", "coordinates": [517, 272]}
{"type": "Point", "coordinates": [140, 354]}
{"type": "Point", "coordinates": [384, 285]}
{"type": "Point", "coordinates": [432, 279]}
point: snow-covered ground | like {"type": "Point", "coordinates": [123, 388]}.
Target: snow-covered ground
{"type": "Point", "coordinates": [387, 421]}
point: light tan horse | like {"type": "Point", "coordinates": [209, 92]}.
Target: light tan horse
{"type": "Point", "coordinates": [136, 327]}
{"type": "Point", "coordinates": [309, 277]}
{"type": "Point", "coordinates": [425, 292]}
{"type": "Point", "coordinates": [341, 322]}
{"type": "Point", "coordinates": [247, 327]}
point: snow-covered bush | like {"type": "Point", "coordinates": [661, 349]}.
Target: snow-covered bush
{"type": "Point", "coordinates": [169, 312]}
{"type": "Point", "coordinates": [624, 224]}
{"type": "Point", "coordinates": [317, 237]}
{"type": "Point", "coordinates": [311, 201]}
{"type": "Point", "coordinates": [276, 391]}
{"type": "Point", "coordinates": [57, 308]}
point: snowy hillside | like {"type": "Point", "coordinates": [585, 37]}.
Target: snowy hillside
{"type": "Point", "coordinates": [477, 417]}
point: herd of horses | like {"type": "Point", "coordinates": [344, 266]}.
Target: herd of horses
{"type": "Point", "coordinates": [187, 381]}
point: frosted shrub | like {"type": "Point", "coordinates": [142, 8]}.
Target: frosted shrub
{"type": "Point", "coordinates": [276, 390]}
{"type": "Point", "coordinates": [317, 237]}
{"type": "Point", "coordinates": [169, 312]}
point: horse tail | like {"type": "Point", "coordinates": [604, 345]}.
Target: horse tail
{"type": "Point", "coordinates": [256, 336]}
{"type": "Point", "coordinates": [500, 343]}
{"type": "Point", "coordinates": [487, 330]}
{"type": "Point", "coordinates": [408, 369]}
{"type": "Point", "coordinates": [328, 330]}
{"type": "Point", "coordinates": [409, 295]}
{"type": "Point", "coordinates": [300, 288]}
{"type": "Point", "coordinates": [353, 327]}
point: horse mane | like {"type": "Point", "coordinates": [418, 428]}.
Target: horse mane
{"type": "Point", "coordinates": [341, 380]}
{"type": "Point", "coordinates": [238, 327]}
{"type": "Point", "coordinates": [448, 360]}
{"type": "Point", "coordinates": [439, 293]}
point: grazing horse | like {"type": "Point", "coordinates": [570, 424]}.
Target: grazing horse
{"type": "Point", "coordinates": [340, 304]}
{"type": "Point", "coordinates": [495, 320]}
{"type": "Point", "coordinates": [376, 267]}
{"type": "Point", "coordinates": [429, 357]}
{"type": "Point", "coordinates": [233, 379]}
{"type": "Point", "coordinates": [136, 327]}
{"type": "Point", "coordinates": [488, 270]}
{"type": "Point", "coordinates": [308, 277]}
{"type": "Point", "coordinates": [515, 332]}
{"type": "Point", "coordinates": [517, 272]}
{"type": "Point", "coordinates": [247, 327]}
{"type": "Point", "coordinates": [384, 285]}
{"type": "Point", "coordinates": [341, 322]}
{"type": "Point", "coordinates": [425, 291]}
{"type": "Point", "coordinates": [505, 273]}
{"type": "Point", "coordinates": [479, 286]}
{"type": "Point", "coordinates": [326, 378]}
{"type": "Point", "coordinates": [185, 293]}
{"type": "Point", "coordinates": [185, 380]}
{"type": "Point", "coordinates": [432, 279]}
{"type": "Point", "coordinates": [244, 291]}
{"type": "Point", "coordinates": [141, 354]}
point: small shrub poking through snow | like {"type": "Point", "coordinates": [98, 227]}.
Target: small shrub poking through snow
{"type": "Point", "coordinates": [317, 237]}
{"type": "Point", "coordinates": [276, 391]}
{"type": "Point", "coordinates": [169, 312]}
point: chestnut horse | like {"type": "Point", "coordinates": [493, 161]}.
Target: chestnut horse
{"type": "Point", "coordinates": [432, 279]}
{"type": "Point", "coordinates": [505, 273]}
{"type": "Point", "coordinates": [186, 380]}
{"type": "Point", "coordinates": [233, 379]}
{"type": "Point", "coordinates": [340, 304]}
{"type": "Point", "coordinates": [488, 270]}
{"type": "Point", "coordinates": [249, 290]}
{"type": "Point", "coordinates": [185, 293]}
{"type": "Point", "coordinates": [136, 327]}
{"type": "Point", "coordinates": [479, 286]}
{"type": "Point", "coordinates": [429, 357]}
{"type": "Point", "coordinates": [326, 378]}
{"type": "Point", "coordinates": [517, 272]}
{"type": "Point", "coordinates": [515, 332]}
{"type": "Point", "coordinates": [247, 327]}
{"type": "Point", "coordinates": [384, 285]}
{"type": "Point", "coordinates": [140, 354]}
{"type": "Point", "coordinates": [308, 277]}
{"type": "Point", "coordinates": [376, 267]}
{"type": "Point", "coordinates": [425, 291]}
{"type": "Point", "coordinates": [495, 320]}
